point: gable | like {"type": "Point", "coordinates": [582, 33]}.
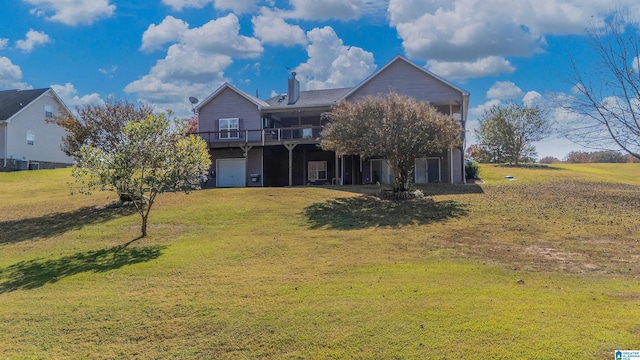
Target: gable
{"type": "Point", "coordinates": [13, 101]}
{"type": "Point", "coordinates": [406, 79]}
{"type": "Point", "coordinates": [228, 104]}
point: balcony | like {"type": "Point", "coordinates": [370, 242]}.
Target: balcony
{"type": "Point", "coordinates": [305, 134]}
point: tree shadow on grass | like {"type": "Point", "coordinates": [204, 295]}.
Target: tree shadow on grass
{"type": "Point", "coordinates": [35, 273]}
{"type": "Point", "coordinates": [55, 224]}
{"type": "Point", "coordinates": [368, 211]}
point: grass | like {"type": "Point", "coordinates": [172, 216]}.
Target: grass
{"type": "Point", "coordinates": [541, 267]}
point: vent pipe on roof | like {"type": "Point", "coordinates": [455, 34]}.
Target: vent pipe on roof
{"type": "Point", "coordinates": [294, 89]}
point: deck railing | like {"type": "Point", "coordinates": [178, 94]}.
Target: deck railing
{"type": "Point", "coordinates": [300, 134]}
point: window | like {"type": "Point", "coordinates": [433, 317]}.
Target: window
{"type": "Point", "coordinates": [317, 170]}
{"type": "Point", "coordinates": [48, 111]}
{"type": "Point", "coordinates": [30, 138]}
{"type": "Point", "coordinates": [229, 128]}
{"type": "Point", "coordinates": [307, 133]}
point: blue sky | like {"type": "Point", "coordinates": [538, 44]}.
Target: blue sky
{"type": "Point", "coordinates": [163, 51]}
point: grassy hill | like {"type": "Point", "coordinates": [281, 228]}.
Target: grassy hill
{"type": "Point", "coordinates": [544, 266]}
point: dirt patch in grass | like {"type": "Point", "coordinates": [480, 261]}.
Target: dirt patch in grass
{"type": "Point", "coordinates": [570, 226]}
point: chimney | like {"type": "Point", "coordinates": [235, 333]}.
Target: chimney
{"type": "Point", "coordinates": [294, 89]}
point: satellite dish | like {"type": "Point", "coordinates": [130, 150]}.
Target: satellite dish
{"type": "Point", "coordinates": [193, 100]}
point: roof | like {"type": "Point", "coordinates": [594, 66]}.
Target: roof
{"type": "Point", "coordinates": [310, 98]}
{"type": "Point", "coordinates": [12, 101]}
{"type": "Point", "coordinates": [259, 103]}
{"type": "Point", "coordinates": [402, 58]}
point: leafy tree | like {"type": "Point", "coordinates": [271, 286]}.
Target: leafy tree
{"type": "Point", "coordinates": [478, 154]}
{"type": "Point", "coordinates": [607, 156]}
{"type": "Point", "coordinates": [99, 125]}
{"type": "Point", "coordinates": [549, 160]}
{"type": "Point", "coordinates": [508, 131]}
{"type": "Point", "coordinates": [154, 155]}
{"type": "Point", "coordinates": [394, 127]}
{"type": "Point", "coordinates": [606, 103]}
{"type": "Point", "coordinates": [578, 157]}
{"type": "Point", "coordinates": [193, 125]}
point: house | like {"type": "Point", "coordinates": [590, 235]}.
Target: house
{"type": "Point", "coordinates": [27, 140]}
{"type": "Point", "coordinates": [274, 142]}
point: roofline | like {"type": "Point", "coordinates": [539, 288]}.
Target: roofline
{"type": "Point", "coordinates": [400, 57]}
{"type": "Point", "coordinates": [224, 86]}
{"type": "Point", "coordinates": [55, 95]}
{"type": "Point", "coordinates": [294, 108]}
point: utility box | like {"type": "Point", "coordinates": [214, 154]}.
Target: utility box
{"type": "Point", "coordinates": [22, 164]}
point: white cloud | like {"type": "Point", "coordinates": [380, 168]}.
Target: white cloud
{"type": "Point", "coordinates": [33, 39]}
{"type": "Point", "coordinates": [69, 96]}
{"type": "Point", "coordinates": [194, 64]}
{"type": "Point", "coordinates": [504, 90]}
{"type": "Point", "coordinates": [236, 6]}
{"type": "Point", "coordinates": [169, 30]}
{"type": "Point", "coordinates": [465, 31]}
{"type": "Point", "coordinates": [10, 75]}
{"type": "Point", "coordinates": [3, 43]}
{"type": "Point", "coordinates": [480, 109]}
{"type": "Point", "coordinates": [532, 98]}
{"type": "Point", "coordinates": [72, 12]}
{"type": "Point", "coordinates": [109, 71]}
{"type": "Point", "coordinates": [492, 65]}
{"type": "Point", "coordinates": [327, 9]}
{"type": "Point", "coordinates": [178, 5]}
{"type": "Point", "coordinates": [270, 27]}
{"type": "Point", "coordinates": [331, 64]}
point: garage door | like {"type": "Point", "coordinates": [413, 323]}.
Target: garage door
{"type": "Point", "coordinates": [230, 173]}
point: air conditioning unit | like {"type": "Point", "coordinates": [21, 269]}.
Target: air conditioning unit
{"type": "Point", "coordinates": [34, 165]}
{"type": "Point", "coordinates": [22, 164]}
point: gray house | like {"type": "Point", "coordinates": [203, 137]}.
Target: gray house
{"type": "Point", "coordinates": [274, 142]}
{"type": "Point", "coordinates": [27, 140]}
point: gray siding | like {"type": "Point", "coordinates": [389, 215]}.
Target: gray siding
{"type": "Point", "coordinates": [406, 79]}
{"type": "Point", "coordinates": [458, 166]}
{"type": "Point", "coordinates": [230, 104]}
{"type": "Point", "coordinates": [254, 158]}
{"type": "Point", "coordinates": [2, 138]}
{"type": "Point", "coordinates": [47, 136]}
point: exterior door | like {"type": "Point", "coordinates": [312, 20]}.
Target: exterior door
{"type": "Point", "coordinates": [231, 173]}
{"type": "Point", "coordinates": [380, 172]}
{"type": "Point", "coordinates": [427, 170]}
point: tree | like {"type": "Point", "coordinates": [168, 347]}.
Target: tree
{"type": "Point", "coordinates": [607, 156]}
{"type": "Point", "coordinates": [549, 160]}
{"type": "Point", "coordinates": [578, 157]}
{"type": "Point", "coordinates": [155, 155]}
{"type": "Point", "coordinates": [508, 132]}
{"type": "Point", "coordinates": [99, 125]}
{"type": "Point", "coordinates": [478, 154]}
{"type": "Point", "coordinates": [394, 127]}
{"type": "Point", "coordinates": [605, 104]}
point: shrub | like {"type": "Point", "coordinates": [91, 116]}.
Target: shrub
{"type": "Point", "coordinates": [472, 170]}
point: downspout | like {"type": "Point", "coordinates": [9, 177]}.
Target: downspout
{"type": "Point", "coordinates": [451, 164]}
{"type": "Point", "coordinates": [6, 148]}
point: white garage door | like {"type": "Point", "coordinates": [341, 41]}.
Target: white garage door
{"type": "Point", "coordinates": [231, 173]}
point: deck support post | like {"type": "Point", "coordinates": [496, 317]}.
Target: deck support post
{"type": "Point", "coordinates": [245, 152]}
{"type": "Point", "coordinates": [290, 147]}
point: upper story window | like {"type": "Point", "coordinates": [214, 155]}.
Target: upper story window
{"type": "Point", "coordinates": [30, 138]}
{"type": "Point", "coordinates": [48, 111]}
{"type": "Point", "coordinates": [229, 128]}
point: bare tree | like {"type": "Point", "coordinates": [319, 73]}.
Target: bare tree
{"type": "Point", "coordinates": [605, 105]}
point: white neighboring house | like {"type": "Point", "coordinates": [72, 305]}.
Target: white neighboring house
{"type": "Point", "coordinates": [27, 140]}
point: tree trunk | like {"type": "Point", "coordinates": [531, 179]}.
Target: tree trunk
{"type": "Point", "coordinates": [144, 226]}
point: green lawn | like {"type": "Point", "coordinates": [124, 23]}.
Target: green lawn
{"type": "Point", "coordinates": [541, 267]}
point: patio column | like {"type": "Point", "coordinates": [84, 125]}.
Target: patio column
{"type": "Point", "coordinates": [245, 149]}
{"type": "Point", "coordinates": [290, 148]}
